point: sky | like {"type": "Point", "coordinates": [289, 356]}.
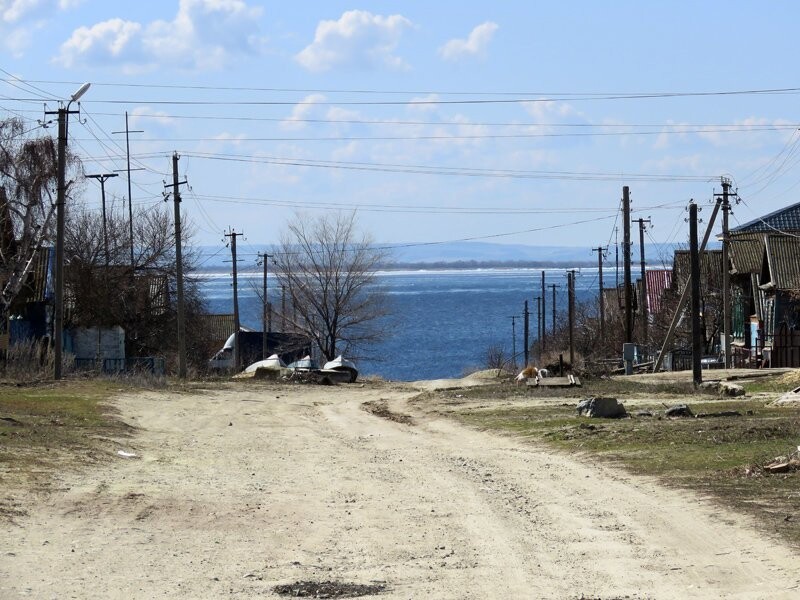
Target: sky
{"type": "Point", "coordinates": [510, 121]}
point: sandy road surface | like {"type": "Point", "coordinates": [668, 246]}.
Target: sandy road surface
{"type": "Point", "coordinates": [239, 490]}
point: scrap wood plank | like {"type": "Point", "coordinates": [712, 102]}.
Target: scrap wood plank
{"type": "Point", "coordinates": [568, 381]}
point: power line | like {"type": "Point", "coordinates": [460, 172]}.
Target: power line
{"type": "Point", "coordinates": [441, 170]}
{"type": "Point", "coordinates": [549, 96]}
{"type": "Point", "coordinates": [477, 136]}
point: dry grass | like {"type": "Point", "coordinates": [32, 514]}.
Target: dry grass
{"type": "Point", "coordinates": [719, 457]}
{"type": "Point", "coordinates": [49, 427]}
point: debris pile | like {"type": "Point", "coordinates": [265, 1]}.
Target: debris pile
{"type": "Point", "coordinates": [328, 589]}
{"type": "Point", "coordinates": [780, 464]}
{"type": "Point", "coordinates": [784, 464]}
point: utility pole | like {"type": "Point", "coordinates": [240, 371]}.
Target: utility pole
{"type": "Point", "coordinates": [264, 258]}
{"type": "Point", "coordinates": [553, 286]}
{"type": "Point", "coordinates": [61, 193]}
{"type": "Point", "coordinates": [58, 316]}
{"type": "Point", "coordinates": [102, 177]}
{"type": "Point", "coordinates": [571, 307]}
{"type": "Point", "coordinates": [600, 256]}
{"type": "Point", "coordinates": [644, 311]}
{"type": "Point", "coordinates": [616, 249]}
{"type": "Point", "coordinates": [539, 320]}
{"type": "Point", "coordinates": [176, 199]}
{"type": "Point", "coordinates": [514, 341]}
{"type": "Point", "coordinates": [130, 198]}
{"type": "Point", "coordinates": [542, 332]}
{"type": "Point", "coordinates": [526, 334]}
{"type": "Point", "coordinates": [676, 317]}
{"type": "Point", "coordinates": [697, 340]}
{"type": "Point", "coordinates": [726, 283]}
{"type": "Point", "coordinates": [283, 308]}
{"type": "Point", "coordinates": [237, 351]}
{"type": "Point", "coordinates": [626, 256]}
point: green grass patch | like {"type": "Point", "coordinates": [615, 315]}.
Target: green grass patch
{"type": "Point", "coordinates": [48, 426]}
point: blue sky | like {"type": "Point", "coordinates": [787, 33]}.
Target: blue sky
{"type": "Point", "coordinates": [513, 121]}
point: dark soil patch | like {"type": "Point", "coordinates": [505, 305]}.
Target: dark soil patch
{"type": "Point", "coordinates": [380, 408]}
{"type": "Point", "coordinates": [328, 589]}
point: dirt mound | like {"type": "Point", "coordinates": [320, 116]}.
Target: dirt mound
{"type": "Point", "coordinates": [790, 379]}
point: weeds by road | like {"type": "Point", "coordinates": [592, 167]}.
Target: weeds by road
{"type": "Point", "coordinates": [721, 457]}
{"type": "Point", "coordinates": [44, 427]}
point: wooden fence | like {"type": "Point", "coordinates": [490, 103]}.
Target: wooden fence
{"type": "Point", "coordinates": [786, 347]}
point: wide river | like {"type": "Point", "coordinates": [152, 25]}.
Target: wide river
{"type": "Point", "coordinates": [442, 322]}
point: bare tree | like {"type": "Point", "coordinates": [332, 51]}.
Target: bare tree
{"type": "Point", "coordinates": [327, 269]}
{"type": "Point", "coordinates": [141, 298]}
{"type": "Point", "coordinates": [28, 181]}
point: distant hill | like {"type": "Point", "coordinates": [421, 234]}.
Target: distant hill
{"type": "Point", "coordinates": [467, 255]}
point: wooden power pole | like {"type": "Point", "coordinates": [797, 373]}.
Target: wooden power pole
{"type": "Point", "coordinates": [542, 330]}
{"type": "Point", "coordinates": [236, 349]}
{"type": "Point", "coordinates": [176, 199]}
{"type": "Point", "coordinates": [526, 334]}
{"type": "Point", "coordinates": [265, 317]}
{"type": "Point", "coordinates": [697, 336]}
{"type": "Point", "coordinates": [601, 303]}
{"type": "Point", "coordinates": [626, 258]}
{"type": "Point", "coordinates": [571, 308]}
{"type": "Point", "coordinates": [726, 283]}
{"type": "Point", "coordinates": [102, 177]}
{"type": "Point", "coordinates": [643, 307]}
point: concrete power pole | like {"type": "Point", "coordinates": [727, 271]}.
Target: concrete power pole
{"type": "Point", "coordinates": [553, 286]}
{"type": "Point", "coordinates": [266, 326]}
{"type": "Point", "coordinates": [644, 311]}
{"type": "Point", "coordinates": [697, 339]}
{"type": "Point", "coordinates": [600, 256]}
{"type": "Point", "coordinates": [237, 351]}
{"type": "Point", "coordinates": [102, 177]}
{"type": "Point", "coordinates": [176, 199]}
{"type": "Point", "coordinates": [726, 283]}
{"type": "Point", "coordinates": [626, 257]}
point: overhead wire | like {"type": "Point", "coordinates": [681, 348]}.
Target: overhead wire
{"type": "Point", "coordinates": [442, 170]}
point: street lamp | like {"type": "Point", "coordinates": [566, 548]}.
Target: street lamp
{"type": "Point", "coordinates": [58, 312]}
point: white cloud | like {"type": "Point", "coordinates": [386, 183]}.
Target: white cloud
{"type": "Point", "coordinates": [301, 111]}
{"type": "Point", "coordinates": [145, 115]}
{"type": "Point", "coordinates": [14, 10]}
{"type": "Point", "coordinates": [21, 19]}
{"type": "Point", "coordinates": [424, 103]}
{"type": "Point", "coordinates": [550, 111]}
{"type": "Point", "coordinates": [358, 38]}
{"type": "Point", "coordinates": [205, 34]}
{"type": "Point", "coordinates": [476, 44]}
{"type": "Point", "coordinates": [110, 38]}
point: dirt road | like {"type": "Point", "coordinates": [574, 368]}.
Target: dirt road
{"type": "Point", "coordinates": [237, 491]}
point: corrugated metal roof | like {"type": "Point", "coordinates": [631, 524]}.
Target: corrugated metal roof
{"type": "Point", "coordinates": [746, 253]}
{"type": "Point", "coordinates": [710, 269]}
{"type": "Point", "coordinates": [218, 327]}
{"type": "Point", "coordinates": [784, 219]}
{"type": "Point", "coordinates": [658, 280]}
{"type": "Point", "coordinates": [783, 260]}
